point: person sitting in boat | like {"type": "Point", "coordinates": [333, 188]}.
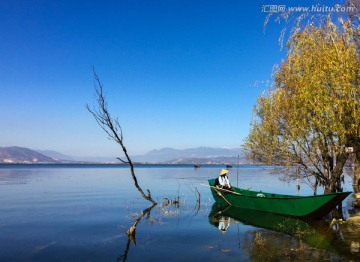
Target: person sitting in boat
{"type": "Point", "coordinates": [223, 181]}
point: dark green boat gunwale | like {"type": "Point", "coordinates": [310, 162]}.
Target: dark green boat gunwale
{"type": "Point", "coordinates": [306, 207]}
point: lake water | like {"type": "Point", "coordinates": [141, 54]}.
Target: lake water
{"type": "Point", "coordinates": [82, 213]}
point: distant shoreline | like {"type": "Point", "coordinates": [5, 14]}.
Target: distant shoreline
{"type": "Point", "coordinates": [4, 165]}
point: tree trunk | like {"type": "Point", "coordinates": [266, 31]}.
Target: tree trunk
{"type": "Point", "coordinates": [113, 129]}
{"type": "Point", "coordinates": [334, 183]}
{"type": "Point", "coordinates": [356, 179]}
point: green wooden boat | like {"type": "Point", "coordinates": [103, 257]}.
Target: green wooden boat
{"type": "Point", "coordinates": [305, 207]}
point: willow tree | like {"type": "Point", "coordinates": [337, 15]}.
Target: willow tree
{"type": "Point", "coordinates": [312, 111]}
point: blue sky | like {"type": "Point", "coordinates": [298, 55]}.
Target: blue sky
{"type": "Point", "coordinates": [178, 74]}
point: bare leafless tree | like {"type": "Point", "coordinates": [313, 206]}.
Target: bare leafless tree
{"type": "Point", "coordinates": [113, 129]}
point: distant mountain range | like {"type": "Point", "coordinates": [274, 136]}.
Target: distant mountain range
{"type": "Point", "coordinates": [17, 154]}
{"type": "Point", "coordinates": [192, 155]}
{"type": "Point", "coordinates": [166, 155]}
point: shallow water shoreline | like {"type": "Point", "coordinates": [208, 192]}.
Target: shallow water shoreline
{"type": "Point", "coordinates": [81, 213]}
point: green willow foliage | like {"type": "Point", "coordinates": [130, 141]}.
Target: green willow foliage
{"type": "Point", "coordinates": [312, 111]}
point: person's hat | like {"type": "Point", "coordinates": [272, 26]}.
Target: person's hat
{"type": "Point", "coordinates": [224, 172]}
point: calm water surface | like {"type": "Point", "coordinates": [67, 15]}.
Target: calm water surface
{"type": "Point", "coordinates": [82, 213]}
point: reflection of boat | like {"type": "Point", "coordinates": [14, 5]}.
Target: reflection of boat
{"type": "Point", "coordinates": [308, 207]}
{"type": "Point", "coordinates": [287, 225]}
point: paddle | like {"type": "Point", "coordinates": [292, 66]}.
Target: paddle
{"type": "Point", "coordinates": [227, 191]}
{"type": "Point", "coordinates": [220, 195]}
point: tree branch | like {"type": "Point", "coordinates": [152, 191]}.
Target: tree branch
{"type": "Point", "coordinates": [113, 130]}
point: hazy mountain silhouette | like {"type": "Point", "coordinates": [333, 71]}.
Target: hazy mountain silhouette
{"type": "Point", "coordinates": [191, 155]}
{"type": "Point", "coordinates": [17, 154]}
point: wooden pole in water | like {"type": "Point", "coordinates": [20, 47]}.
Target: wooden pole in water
{"type": "Point", "coordinates": [237, 173]}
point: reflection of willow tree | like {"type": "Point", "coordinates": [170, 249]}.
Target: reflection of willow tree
{"type": "Point", "coordinates": [263, 245]}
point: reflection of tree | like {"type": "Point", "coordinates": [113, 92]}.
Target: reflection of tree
{"type": "Point", "coordinates": [124, 256]}
{"type": "Point", "coordinates": [131, 233]}
{"type": "Point", "coordinates": [132, 230]}
{"type": "Point", "coordinates": [264, 245]}
{"type": "Point", "coordinates": [169, 207]}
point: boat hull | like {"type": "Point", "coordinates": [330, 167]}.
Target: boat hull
{"type": "Point", "coordinates": [306, 207]}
